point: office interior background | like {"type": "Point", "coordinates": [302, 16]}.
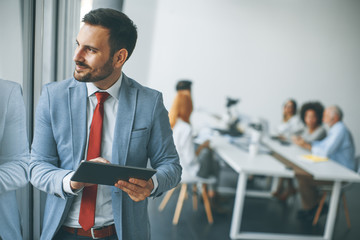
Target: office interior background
{"type": "Point", "coordinates": [260, 51]}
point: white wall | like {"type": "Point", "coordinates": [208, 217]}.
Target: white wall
{"type": "Point", "coordinates": [143, 13]}
{"type": "Point", "coordinates": [260, 51]}
{"type": "Point", "coordinates": [11, 57]}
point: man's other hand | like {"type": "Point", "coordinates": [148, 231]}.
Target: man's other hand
{"type": "Point", "coordinates": [137, 189]}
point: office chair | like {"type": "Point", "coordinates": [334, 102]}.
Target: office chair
{"type": "Point", "coordinates": [326, 189]}
{"type": "Point", "coordinates": [194, 181]}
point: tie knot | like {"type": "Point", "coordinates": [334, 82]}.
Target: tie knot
{"type": "Point", "coordinates": [101, 96]}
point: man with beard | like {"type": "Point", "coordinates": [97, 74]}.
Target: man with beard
{"type": "Point", "coordinates": [338, 146]}
{"type": "Point", "coordinates": [101, 115]}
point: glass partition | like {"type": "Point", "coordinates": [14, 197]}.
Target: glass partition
{"type": "Point", "coordinates": [15, 106]}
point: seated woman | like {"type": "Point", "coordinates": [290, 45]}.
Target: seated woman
{"type": "Point", "coordinates": [201, 162]}
{"type": "Point", "coordinates": [291, 123]}
{"type": "Point", "coordinates": [289, 126]}
{"type": "Point", "coordinates": [311, 114]}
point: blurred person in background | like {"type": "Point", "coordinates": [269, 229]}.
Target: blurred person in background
{"type": "Point", "coordinates": [14, 157]}
{"type": "Point", "coordinates": [311, 114]}
{"type": "Point", "coordinates": [291, 123]}
{"type": "Point", "coordinates": [198, 163]}
{"type": "Point", "coordinates": [290, 126]}
{"type": "Point", "coordinates": [338, 146]}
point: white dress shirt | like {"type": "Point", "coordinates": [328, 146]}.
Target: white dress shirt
{"type": "Point", "coordinates": [103, 212]}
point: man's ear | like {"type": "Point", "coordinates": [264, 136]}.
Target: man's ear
{"type": "Point", "coordinates": [120, 57]}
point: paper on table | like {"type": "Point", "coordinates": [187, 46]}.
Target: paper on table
{"type": "Point", "coordinates": [313, 158]}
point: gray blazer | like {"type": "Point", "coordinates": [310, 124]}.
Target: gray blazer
{"type": "Point", "coordinates": [14, 156]}
{"type": "Point", "coordinates": [142, 132]}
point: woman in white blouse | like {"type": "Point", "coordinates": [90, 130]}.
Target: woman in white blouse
{"type": "Point", "coordinates": [291, 123]}
{"type": "Point", "coordinates": [198, 163]}
{"type": "Point", "coordinates": [290, 126]}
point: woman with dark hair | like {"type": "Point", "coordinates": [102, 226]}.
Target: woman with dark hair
{"type": "Point", "coordinates": [291, 123]}
{"type": "Point", "coordinates": [289, 126]}
{"type": "Point", "coordinates": [311, 114]}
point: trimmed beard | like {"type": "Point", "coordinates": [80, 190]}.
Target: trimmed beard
{"type": "Point", "coordinates": [106, 71]}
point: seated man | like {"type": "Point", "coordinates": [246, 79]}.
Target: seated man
{"type": "Point", "coordinates": [337, 146]}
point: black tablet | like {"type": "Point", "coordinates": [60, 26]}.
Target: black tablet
{"type": "Point", "coordinates": [109, 174]}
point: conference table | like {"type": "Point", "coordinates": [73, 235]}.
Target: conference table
{"type": "Point", "coordinates": [245, 165]}
{"type": "Point", "coordinates": [322, 171]}
{"type": "Point", "coordinates": [265, 164]}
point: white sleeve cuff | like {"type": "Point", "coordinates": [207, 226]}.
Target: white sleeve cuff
{"type": "Point", "coordinates": [156, 184]}
{"type": "Point", "coordinates": [67, 187]}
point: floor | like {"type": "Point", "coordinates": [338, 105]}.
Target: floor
{"type": "Point", "coordinates": [262, 215]}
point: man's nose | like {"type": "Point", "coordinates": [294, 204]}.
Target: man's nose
{"type": "Point", "coordinates": [78, 55]}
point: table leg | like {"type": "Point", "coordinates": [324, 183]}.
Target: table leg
{"type": "Point", "coordinates": [331, 217]}
{"type": "Point", "coordinates": [238, 206]}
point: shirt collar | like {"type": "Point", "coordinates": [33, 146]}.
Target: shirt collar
{"type": "Point", "coordinates": [114, 90]}
{"type": "Point", "coordinates": [336, 125]}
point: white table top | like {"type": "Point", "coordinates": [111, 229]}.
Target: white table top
{"type": "Point", "coordinates": [241, 161]}
{"type": "Point", "coordinates": [327, 171]}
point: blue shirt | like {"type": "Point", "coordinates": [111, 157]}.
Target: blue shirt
{"type": "Point", "coordinates": [338, 146]}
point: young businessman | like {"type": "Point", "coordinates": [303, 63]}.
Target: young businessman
{"type": "Point", "coordinates": [101, 115]}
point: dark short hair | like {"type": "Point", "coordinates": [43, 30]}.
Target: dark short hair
{"type": "Point", "coordinates": [317, 107]}
{"type": "Point", "coordinates": [123, 33]}
{"type": "Point", "coordinates": [183, 85]}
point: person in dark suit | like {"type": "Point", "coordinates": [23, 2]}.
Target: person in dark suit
{"type": "Point", "coordinates": [101, 115]}
{"type": "Point", "coordinates": [14, 157]}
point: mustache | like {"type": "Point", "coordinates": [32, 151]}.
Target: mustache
{"type": "Point", "coordinates": [82, 64]}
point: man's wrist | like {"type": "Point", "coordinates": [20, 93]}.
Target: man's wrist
{"type": "Point", "coordinates": [155, 184]}
{"type": "Point", "coordinates": [67, 185]}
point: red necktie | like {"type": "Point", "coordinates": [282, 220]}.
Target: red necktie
{"type": "Point", "coordinates": [88, 200]}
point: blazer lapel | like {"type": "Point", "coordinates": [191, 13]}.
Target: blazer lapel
{"type": "Point", "coordinates": [124, 122]}
{"type": "Point", "coordinates": [77, 106]}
